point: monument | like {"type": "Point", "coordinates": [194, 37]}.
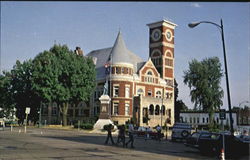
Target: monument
{"type": "Point", "coordinates": [104, 117]}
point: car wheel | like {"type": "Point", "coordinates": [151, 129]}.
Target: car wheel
{"type": "Point", "coordinates": [184, 134]}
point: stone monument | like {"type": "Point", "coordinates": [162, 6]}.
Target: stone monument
{"type": "Point", "coordinates": [104, 117]}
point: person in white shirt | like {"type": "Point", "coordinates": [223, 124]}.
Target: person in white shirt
{"type": "Point", "coordinates": [158, 129]}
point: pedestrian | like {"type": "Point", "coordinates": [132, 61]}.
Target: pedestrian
{"type": "Point", "coordinates": [121, 135]}
{"type": "Point", "coordinates": [158, 129]}
{"type": "Point", "coordinates": [131, 135]}
{"type": "Point", "coordinates": [109, 129]}
{"type": "Point", "coordinates": [147, 136]}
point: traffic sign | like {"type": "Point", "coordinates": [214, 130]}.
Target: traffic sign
{"type": "Point", "coordinates": [27, 111]}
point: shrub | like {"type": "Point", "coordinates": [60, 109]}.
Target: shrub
{"type": "Point", "coordinates": [84, 126]}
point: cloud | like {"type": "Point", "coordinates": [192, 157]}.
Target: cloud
{"type": "Point", "coordinates": [195, 5]}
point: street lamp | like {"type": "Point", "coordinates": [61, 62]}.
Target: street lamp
{"type": "Point", "coordinates": [192, 25]}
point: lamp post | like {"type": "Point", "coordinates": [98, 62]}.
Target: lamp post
{"type": "Point", "coordinates": [192, 25]}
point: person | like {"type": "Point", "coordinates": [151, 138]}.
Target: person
{"type": "Point", "coordinates": [131, 136]}
{"type": "Point", "coordinates": [109, 129]}
{"type": "Point", "coordinates": [121, 135]}
{"type": "Point", "coordinates": [148, 130]}
{"type": "Point", "coordinates": [158, 129]}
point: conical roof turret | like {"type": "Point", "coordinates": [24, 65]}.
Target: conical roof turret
{"type": "Point", "coordinates": [120, 53]}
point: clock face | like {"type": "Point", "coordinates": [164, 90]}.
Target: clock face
{"type": "Point", "coordinates": [168, 35]}
{"type": "Point", "coordinates": [156, 34]}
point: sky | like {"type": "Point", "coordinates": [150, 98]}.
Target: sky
{"type": "Point", "coordinates": [29, 28]}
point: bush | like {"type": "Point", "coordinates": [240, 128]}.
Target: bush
{"type": "Point", "coordinates": [84, 126]}
{"type": "Point", "coordinates": [87, 126]}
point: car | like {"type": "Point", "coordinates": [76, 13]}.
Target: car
{"type": "Point", "coordinates": [181, 131]}
{"type": "Point", "coordinates": [142, 132]}
{"type": "Point", "coordinates": [212, 144]}
{"type": "Point", "coordinates": [193, 139]}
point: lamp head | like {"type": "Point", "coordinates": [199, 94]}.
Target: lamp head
{"type": "Point", "coordinates": [193, 24]}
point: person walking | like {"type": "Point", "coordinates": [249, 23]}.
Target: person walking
{"type": "Point", "coordinates": [109, 129]}
{"type": "Point", "coordinates": [158, 129]}
{"type": "Point", "coordinates": [121, 135]}
{"type": "Point", "coordinates": [131, 135]}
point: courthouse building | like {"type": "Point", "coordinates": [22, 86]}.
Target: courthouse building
{"type": "Point", "coordinates": [143, 90]}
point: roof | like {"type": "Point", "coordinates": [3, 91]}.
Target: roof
{"type": "Point", "coordinates": [120, 54]}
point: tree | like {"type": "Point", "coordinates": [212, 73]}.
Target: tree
{"type": "Point", "coordinates": [6, 99]}
{"type": "Point", "coordinates": [179, 105]}
{"type": "Point", "coordinates": [21, 89]}
{"type": "Point", "coordinates": [64, 77]}
{"type": "Point", "coordinates": [203, 78]}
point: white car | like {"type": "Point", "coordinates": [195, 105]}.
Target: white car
{"type": "Point", "coordinates": [181, 131]}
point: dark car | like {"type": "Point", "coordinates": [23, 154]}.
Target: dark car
{"type": "Point", "coordinates": [212, 143]}
{"type": "Point", "coordinates": [193, 139]}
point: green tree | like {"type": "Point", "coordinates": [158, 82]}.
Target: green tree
{"type": "Point", "coordinates": [203, 78]}
{"type": "Point", "coordinates": [179, 105]}
{"type": "Point", "coordinates": [7, 103]}
{"type": "Point", "coordinates": [21, 89]}
{"type": "Point", "coordinates": [64, 77]}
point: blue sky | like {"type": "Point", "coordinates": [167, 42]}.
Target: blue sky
{"type": "Point", "coordinates": [28, 28]}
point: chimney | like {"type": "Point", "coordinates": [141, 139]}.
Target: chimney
{"type": "Point", "coordinates": [78, 51]}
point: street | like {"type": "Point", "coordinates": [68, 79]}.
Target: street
{"type": "Point", "coordinates": [46, 144]}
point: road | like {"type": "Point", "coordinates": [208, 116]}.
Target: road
{"type": "Point", "coordinates": [50, 144]}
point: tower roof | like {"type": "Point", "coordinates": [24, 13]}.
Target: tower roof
{"type": "Point", "coordinates": [120, 53]}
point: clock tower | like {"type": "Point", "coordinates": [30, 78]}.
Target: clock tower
{"type": "Point", "coordinates": [161, 48]}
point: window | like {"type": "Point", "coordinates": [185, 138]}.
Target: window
{"type": "Point", "coordinates": [169, 62]}
{"type": "Point", "coordinates": [194, 120]}
{"type": "Point", "coordinates": [203, 120]}
{"type": "Point", "coordinates": [198, 120]}
{"type": "Point", "coordinates": [140, 92]}
{"type": "Point", "coordinates": [149, 77]}
{"type": "Point", "coordinates": [158, 94]}
{"type": "Point", "coordinates": [54, 110]}
{"type": "Point", "coordinates": [186, 120]}
{"type": "Point", "coordinates": [127, 90]}
{"type": "Point", "coordinates": [149, 73]}
{"type": "Point", "coordinates": [122, 70]}
{"type": "Point", "coordinates": [157, 110]}
{"type": "Point", "coordinates": [190, 119]}
{"type": "Point", "coordinates": [116, 70]}
{"type": "Point", "coordinates": [116, 91]}
{"type": "Point", "coordinates": [169, 113]}
{"type": "Point", "coordinates": [163, 110]}
{"type": "Point", "coordinates": [115, 109]}
{"type": "Point", "coordinates": [80, 112]}
{"type": "Point", "coordinates": [151, 109]}
{"type": "Point", "coordinates": [126, 109]}
{"type": "Point", "coordinates": [45, 109]}
{"type": "Point", "coordinates": [207, 120]}
{"type": "Point", "coordinates": [149, 93]}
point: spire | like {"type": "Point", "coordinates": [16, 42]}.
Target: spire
{"type": "Point", "coordinates": [120, 53]}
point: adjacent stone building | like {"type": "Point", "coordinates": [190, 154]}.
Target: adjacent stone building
{"type": "Point", "coordinates": [142, 90]}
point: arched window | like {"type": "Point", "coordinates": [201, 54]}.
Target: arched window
{"type": "Point", "coordinates": [163, 110]}
{"type": "Point", "coordinates": [157, 110]}
{"type": "Point", "coordinates": [149, 73]}
{"type": "Point", "coordinates": [149, 77]}
{"type": "Point", "coordinates": [158, 94]}
{"type": "Point", "coordinates": [151, 109]}
{"type": "Point", "coordinates": [140, 92]}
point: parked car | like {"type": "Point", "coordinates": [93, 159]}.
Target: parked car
{"type": "Point", "coordinates": [142, 131]}
{"type": "Point", "coordinates": [193, 139]}
{"type": "Point", "coordinates": [181, 131]}
{"type": "Point", "coordinates": [212, 143]}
